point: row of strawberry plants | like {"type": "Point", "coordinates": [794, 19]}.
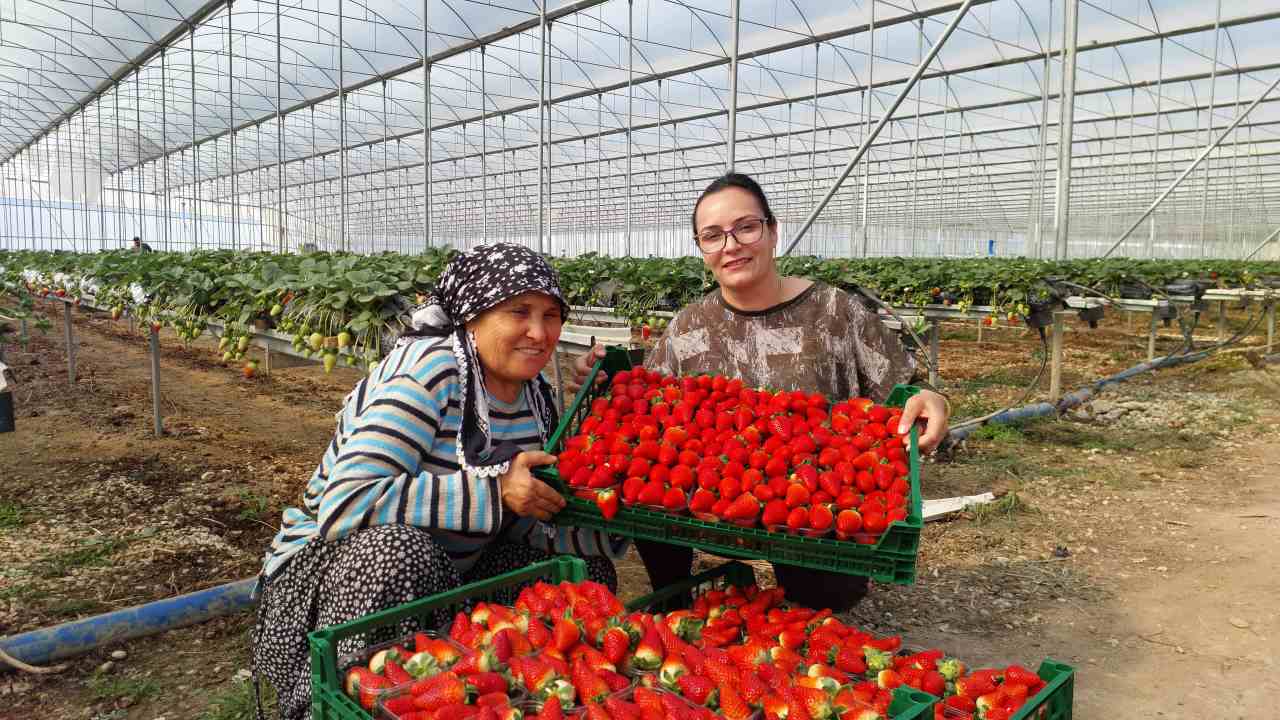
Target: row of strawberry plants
{"type": "Point", "coordinates": [318, 297]}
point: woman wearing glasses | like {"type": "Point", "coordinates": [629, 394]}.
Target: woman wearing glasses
{"type": "Point", "coordinates": [778, 332]}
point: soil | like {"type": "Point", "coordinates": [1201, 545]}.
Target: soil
{"type": "Point", "coordinates": [1137, 541]}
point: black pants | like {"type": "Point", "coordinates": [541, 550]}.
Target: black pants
{"type": "Point", "coordinates": [670, 564]}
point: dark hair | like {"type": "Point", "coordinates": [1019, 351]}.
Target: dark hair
{"type": "Point", "coordinates": [735, 180]}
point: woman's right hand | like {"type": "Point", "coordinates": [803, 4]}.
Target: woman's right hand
{"type": "Point", "coordinates": [526, 495]}
{"type": "Point", "coordinates": [582, 368]}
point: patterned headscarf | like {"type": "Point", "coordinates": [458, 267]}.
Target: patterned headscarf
{"type": "Point", "coordinates": [473, 282]}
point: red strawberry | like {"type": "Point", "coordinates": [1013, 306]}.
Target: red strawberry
{"type": "Point", "coordinates": [775, 513]}
{"type": "Point", "coordinates": [1018, 675]}
{"type": "Point", "coordinates": [933, 683]}
{"type": "Point", "coordinates": [615, 681]}
{"type": "Point", "coordinates": [732, 705]}
{"type": "Point", "coordinates": [614, 644]}
{"type": "Point", "coordinates": [812, 702]}
{"type": "Point", "coordinates": [650, 651]}
{"type": "Point", "coordinates": [620, 709]}
{"type": "Point", "coordinates": [400, 706]}
{"type": "Point", "coordinates": [698, 689]}
{"type": "Point", "coordinates": [798, 518]}
{"type": "Point", "coordinates": [849, 658]}
{"type": "Point", "coordinates": [457, 711]}
{"type": "Point", "coordinates": [702, 500]}
{"type": "Point", "coordinates": [651, 494]}
{"type": "Point", "coordinates": [395, 673]}
{"type": "Point", "coordinates": [673, 499]}
{"type": "Point", "coordinates": [487, 682]}
{"type": "Point", "coordinates": [538, 634]}
{"type": "Point", "coordinates": [820, 517]}
{"type": "Point", "coordinates": [797, 495]}
{"type": "Point", "coordinates": [745, 507]}
{"type": "Point", "coordinates": [476, 661]}
{"type": "Point", "coordinates": [590, 686]}
{"type": "Point", "coordinates": [752, 688]}
{"type": "Point", "coordinates": [848, 522]}
{"type": "Point", "coordinates": [565, 634]}
{"type": "Point", "coordinates": [551, 711]}
{"type": "Point", "coordinates": [607, 501]}
{"type": "Point", "coordinates": [448, 690]}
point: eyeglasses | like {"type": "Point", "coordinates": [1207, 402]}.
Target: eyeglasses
{"type": "Point", "coordinates": [746, 232]}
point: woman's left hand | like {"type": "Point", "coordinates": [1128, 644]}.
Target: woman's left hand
{"type": "Point", "coordinates": [931, 407]}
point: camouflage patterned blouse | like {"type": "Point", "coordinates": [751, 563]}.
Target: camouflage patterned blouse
{"type": "Point", "coordinates": [823, 340]}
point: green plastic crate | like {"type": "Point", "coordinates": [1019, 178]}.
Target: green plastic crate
{"type": "Point", "coordinates": [892, 559]}
{"type": "Point", "coordinates": [1055, 699]}
{"type": "Point", "coordinates": [329, 702]}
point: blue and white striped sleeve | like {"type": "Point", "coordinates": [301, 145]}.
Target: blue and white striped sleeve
{"type": "Point", "coordinates": [377, 477]}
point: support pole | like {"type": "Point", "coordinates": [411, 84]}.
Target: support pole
{"type": "Point", "coordinates": [1208, 133]}
{"type": "Point", "coordinates": [1222, 320]}
{"type": "Point", "coordinates": [164, 143]}
{"type": "Point", "coordinates": [1055, 357]}
{"type": "Point", "coordinates": [157, 419]}
{"type": "Point", "coordinates": [1066, 124]}
{"type": "Point", "coordinates": [281, 203]}
{"type": "Point", "coordinates": [935, 343]}
{"type": "Point", "coordinates": [1190, 168]}
{"type": "Point", "coordinates": [1155, 156]}
{"type": "Point", "coordinates": [875, 132]}
{"type": "Point", "coordinates": [1151, 337]}
{"type": "Point", "coordinates": [1271, 326]}
{"type": "Point", "coordinates": [342, 133]}
{"type": "Point", "coordinates": [733, 93]}
{"type": "Point", "coordinates": [542, 121]}
{"type": "Point", "coordinates": [631, 66]}
{"type": "Point", "coordinates": [869, 97]}
{"type": "Point", "coordinates": [426, 129]}
{"type": "Point", "coordinates": [1270, 239]}
{"type": "Point", "coordinates": [70, 337]}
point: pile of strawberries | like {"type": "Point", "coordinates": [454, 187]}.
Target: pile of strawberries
{"type": "Point", "coordinates": [707, 445]}
{"type": "Point", "coordinates": [571, 650]}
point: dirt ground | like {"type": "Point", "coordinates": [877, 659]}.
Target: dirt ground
{"type": "Point", "coordinates": [1138, 539]}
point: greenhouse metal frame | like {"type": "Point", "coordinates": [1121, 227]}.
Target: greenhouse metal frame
{"type": "Point", "coordinates": [1044, 128]}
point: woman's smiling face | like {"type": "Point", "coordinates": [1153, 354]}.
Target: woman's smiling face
{"type": "Point", "coordinates": [737, 267]}
{"type": "Point", "coordinates": [515, 338]}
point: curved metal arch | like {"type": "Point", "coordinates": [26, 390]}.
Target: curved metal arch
{"type": "Point", "coordinates": [33, 119]}
{"type": "Point", "coordinates": [269, 67]}
{"type": "Point", "coordinates": [76, 20]}
{"type": "Point", "coordinates": [54, 60]}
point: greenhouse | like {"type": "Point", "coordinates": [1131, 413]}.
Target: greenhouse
{"type": "Point", "coordinates": [1006, 127]}
{"type": "Point", "coordinates": [639, 359]}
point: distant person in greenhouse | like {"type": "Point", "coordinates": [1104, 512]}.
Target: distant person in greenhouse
{"type": "Point", "coordinates": [426, 484]}
{"type": "Point", "coordinates": [139, 246]}
{"type": "Point", "coordinates": [777, 332]}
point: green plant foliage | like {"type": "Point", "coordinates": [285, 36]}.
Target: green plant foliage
{"type": "Point", "coordinates": [367, 295]}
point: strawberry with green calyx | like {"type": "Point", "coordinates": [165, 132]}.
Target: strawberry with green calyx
{"type": "Point", "coordinates": [493, 699]}
{"type": "Point", "coordinates": [649, 652]}
{"type": "Point", "coordinates": [607, 502]}
{"type": "Point", "coordinates": [507, 712]}
{"type": "Point", "coordinates": [551, 711]}
{"type": "Point", "coordinates": [951, 669]}
{"type": "Point", "coordinates": [614, 644]}
{"type": "Point", "coordinates": [810, 702]}
{"type": "Point", "coordinates": [589, 686]}
{"type": "Point", "coordinates": [393, 671]}
{"type": "Point", "coordinates": [615, 681]}
{"type": "Point", "coordinates": [975, 684]}
{"type": "Point", "coordinates": [732, 705]}
{"type": "Point", "coordinates": [620, 709]}
{"type": "Point", "coordinates": [818, 682]}
{"type": "Point", "coordinates": [877, 660]}
{"type": "Point", "coordinates": [421, 665]}
{"type": "Point", "coordinates": [565, 634]}
{"type": "Point", "coordinates": [775, 707]}
{"type": "Point", "coordinates": [476, 661]}
{"type": "Point", "coordinates": [670, 672]}
{"type": "Point", "coordinates": [685, 624]}
{"type": "Point", "coordinates": [363, 684]}
{"type": "Point", "coordinates": [377, 662]}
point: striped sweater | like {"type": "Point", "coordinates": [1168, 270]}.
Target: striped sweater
{"type": "Point", "coordinates": [393, 460]}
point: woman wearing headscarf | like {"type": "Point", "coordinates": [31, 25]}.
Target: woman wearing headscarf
{"type": "Point", "coordinates": [426, 484]}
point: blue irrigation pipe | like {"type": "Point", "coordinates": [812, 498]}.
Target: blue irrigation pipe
{"type": "Point", "coordinates": [46, 645]}
{"type": "Point", "coordinates": [1079, 397]}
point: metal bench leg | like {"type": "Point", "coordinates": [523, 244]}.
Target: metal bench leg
{"type": "Point", "coordinates": [934, 343]}
{"type": "Point", "coordinates": [1151, 338]}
